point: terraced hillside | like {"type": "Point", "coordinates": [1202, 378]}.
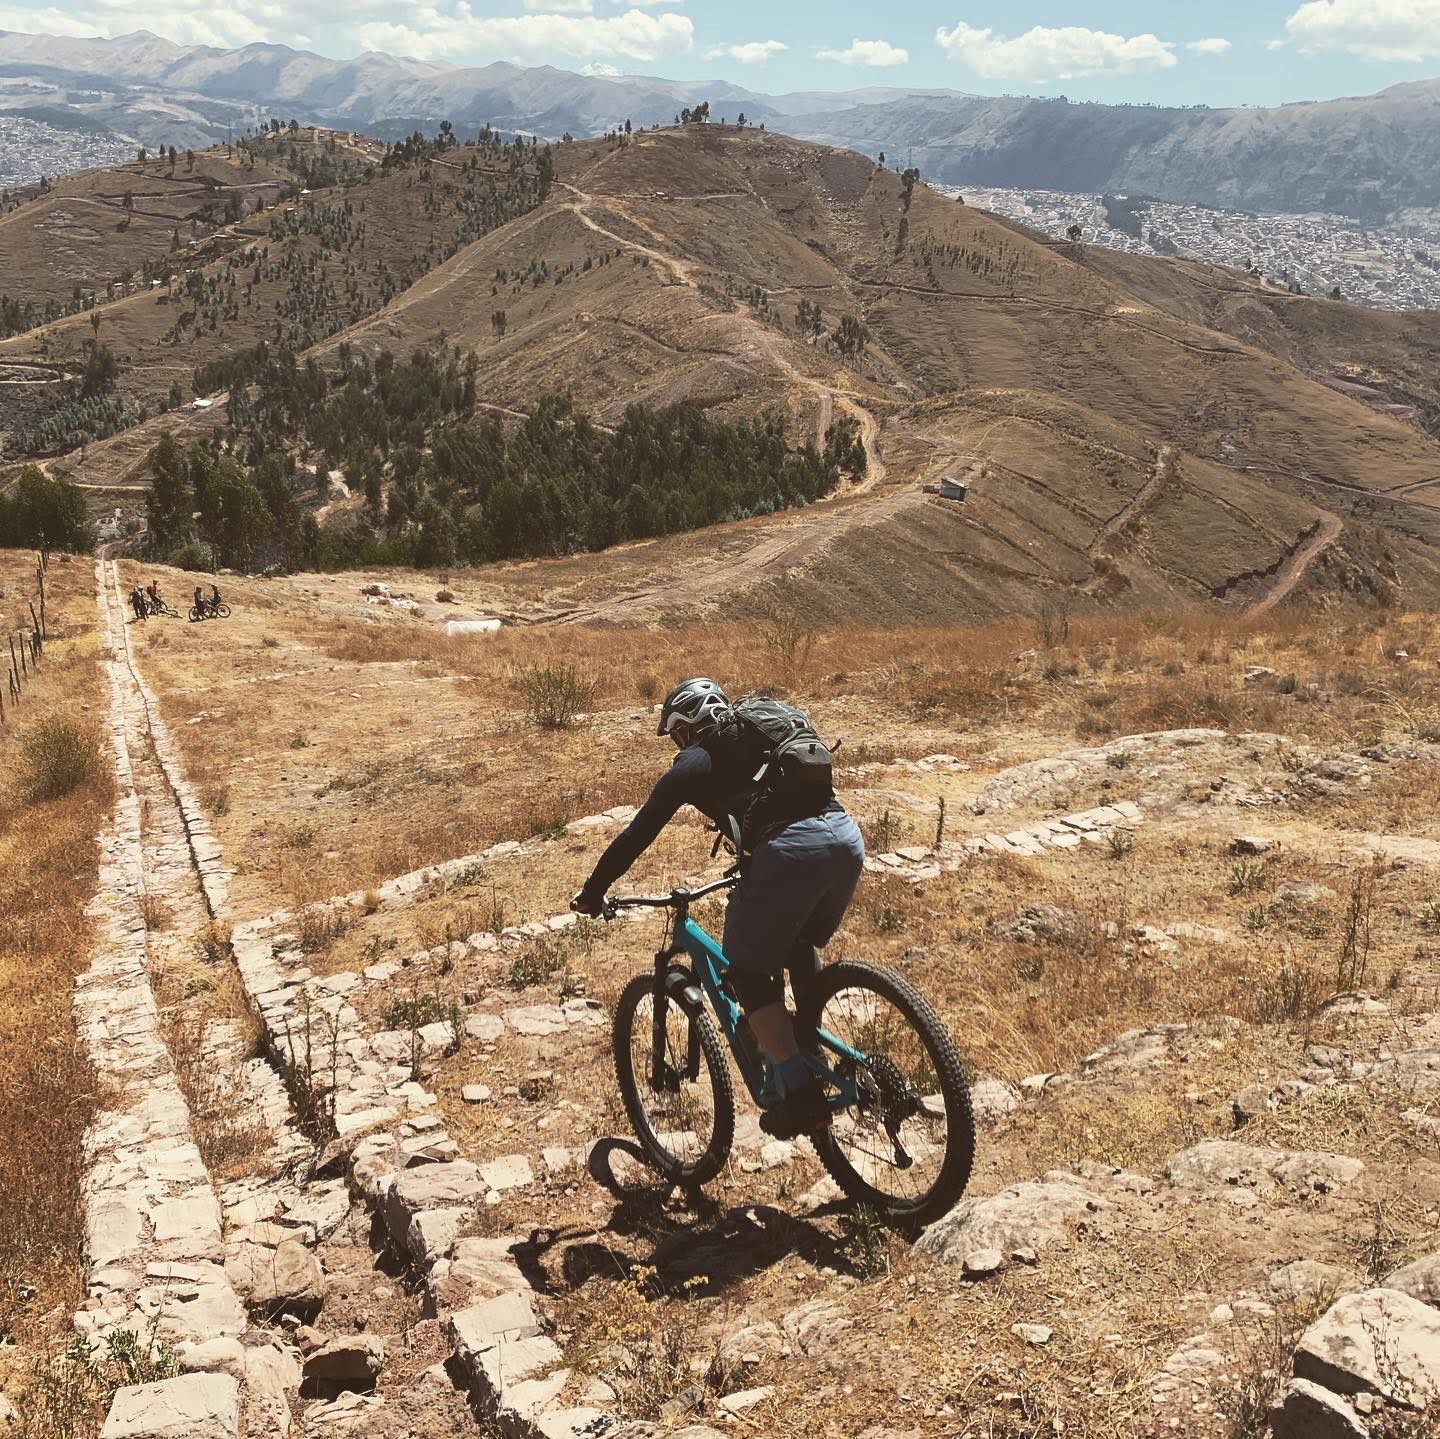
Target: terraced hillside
{"type": "Point", "coordinates": [1132, 431]}
{"type": "Point", "coordinates": [359, 1165]}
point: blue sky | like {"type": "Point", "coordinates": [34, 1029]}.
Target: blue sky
{"type": "Point", "coordinates": [1220, 52]}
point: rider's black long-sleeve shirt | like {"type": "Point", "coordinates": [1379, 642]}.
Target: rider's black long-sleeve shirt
{"type": "Point", "coordinates": [696, 778]}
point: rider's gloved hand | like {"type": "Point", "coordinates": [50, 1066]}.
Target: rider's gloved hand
{"type": "Point", "coordinates": [585, 903]}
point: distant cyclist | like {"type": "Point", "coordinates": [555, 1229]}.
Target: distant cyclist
{"type": "Point", "coordinates": [153, 590]}
{"type": "Point", "coordinates": [137, 602]}
{"type": "Point", "coordinates": [200, 601]}
{"type": "Point", "coordinates": [214, 599]}
{"type": "Point", "coordinates": [799, 878]}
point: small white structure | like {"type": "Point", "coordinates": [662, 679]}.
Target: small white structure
{"type": "Point", "coordinates": [950, 488]}
{"type": "Point", "coordinates": [198, 404]}
{"type": "Point", "coordinates": [470, 627]}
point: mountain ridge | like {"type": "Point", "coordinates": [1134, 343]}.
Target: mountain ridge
{"type": "Point", "coordinates": [1365, 157]}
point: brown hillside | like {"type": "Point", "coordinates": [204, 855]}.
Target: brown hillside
{"type": "Point", "coordinates": [1130, 435]}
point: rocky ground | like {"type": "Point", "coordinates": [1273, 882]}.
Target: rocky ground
{"type": "Point", "coordinates": [361, 1169]}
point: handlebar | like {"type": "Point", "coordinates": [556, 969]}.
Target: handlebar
{"type": "Point", "coordinates": [676, 899]}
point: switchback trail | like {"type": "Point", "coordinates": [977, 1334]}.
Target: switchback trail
{"type": "Point", "coordinates": [683, 273]}
{"type": "Point", "coordinates": [1293, 570]}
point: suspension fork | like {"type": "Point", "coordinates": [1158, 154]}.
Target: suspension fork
{"type": "Point", "coordinates": [672, 986]}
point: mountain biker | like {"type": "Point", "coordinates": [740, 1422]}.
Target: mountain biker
{"type": "Point", "coordinates": [137, 601]}
{"type": "Point", "coordinates": [200, 601]}
{"type": "Point", "coordinates": [795, 886]}
{"type": "Point", "coordinates": [214, 599]}
{"type": "Point", "coordinates": [153, 590]}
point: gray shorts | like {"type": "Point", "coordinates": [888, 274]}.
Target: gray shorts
{"type": "Point", "coordinates": [795, 891]}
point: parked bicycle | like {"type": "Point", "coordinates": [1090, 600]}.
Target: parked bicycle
{"type": "Point", "coordinates": [155, 607]}
{"type": "Point", "coordinates": [902, 1134]}
{"type": "Point", "coordinates": [207, 610]}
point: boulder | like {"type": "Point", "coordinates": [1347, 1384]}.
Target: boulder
{"type": "Point", "coordinates": [455, 1185]}
{"type": "Point", "coordinates": [1224, 1163]}
{"type": "Point", "coordinates": [749, 1346]}
{"type": "Point", "coordinates": [1378, 1341]}
{"type": "Point", "coordinates": [352, 1359]}
{"type": "Point", "coordinates": [1306, 1411]}
{"type": "Point", "coordinates": [285, 1279]}
{"type": "Point", "coordinates": [190, 1406]}
{"type": "Point", "coordinates": [1026, 1215]}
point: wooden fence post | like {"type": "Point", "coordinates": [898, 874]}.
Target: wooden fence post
{"type": "Point", "coordinates": [39, 628]}
{"type": "Point", "coordinates": [24, 668]}
{"type": "Point", "coordinates": [14, 669]}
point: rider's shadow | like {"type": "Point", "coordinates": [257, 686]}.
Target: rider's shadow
{"type": "Point", "coordinates": [700, 1250]}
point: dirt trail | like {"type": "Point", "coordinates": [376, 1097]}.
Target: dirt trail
{"type": "Point", "coordinates": [1293, 570]}
{"type": "Point", "coordinates": [1164, 469]}
{"type": "Point", "coordinates": [790, 544]}
{"type": "Point", "coordinates": [683, 272]}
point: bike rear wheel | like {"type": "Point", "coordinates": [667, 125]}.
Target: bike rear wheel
{"type": "Point", "coordinates": [221, 611]}
{"type": "Point", "coordinates": [684, 1116]}
{"type": "Point", "coordinates": [907, 1144]}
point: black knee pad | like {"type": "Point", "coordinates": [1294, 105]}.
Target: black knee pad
{"type": "Point", "coordinates": [755, 991]}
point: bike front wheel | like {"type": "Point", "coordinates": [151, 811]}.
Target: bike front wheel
{"type": "Point", "coordinates": [196, 614]}
{"type": "Point", "coordinates": [221, 612]}
{"type": "Point", "coordinates": [678, 1093]}
{"type": "Point", "coordinates": [907, 1142]}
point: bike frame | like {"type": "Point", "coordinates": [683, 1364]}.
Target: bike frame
{"type": "Point", "coordinates": [702, 981]}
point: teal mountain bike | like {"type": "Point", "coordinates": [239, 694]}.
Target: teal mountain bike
{"type": "Point", "coordinates": [902, 1135]}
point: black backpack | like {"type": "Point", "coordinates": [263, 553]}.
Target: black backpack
{"type": "Point", "coordinates": [786, 767]}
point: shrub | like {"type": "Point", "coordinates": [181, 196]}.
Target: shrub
{"type": "Point", "coordinates": [191, 556]}
{"type": "Point", "coordinates": [58, 757]}
{"type": "Point", "coordinates": [554, 695]}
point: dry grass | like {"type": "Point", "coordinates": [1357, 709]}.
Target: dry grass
{"type": "Point", "coordinates": [48, 866]}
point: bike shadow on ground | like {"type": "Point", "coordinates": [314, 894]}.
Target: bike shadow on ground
{"type": "Point", "coordinates": [691, 1243]}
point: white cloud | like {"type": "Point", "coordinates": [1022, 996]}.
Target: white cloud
{"type": "Point", "coordinates": [1215, 45]}
{"type": "Point", "coordinates": [1049, 53]}
{"type": "Point", "coordinates": [431, 34]}
{"type": "Point", "coordinates": [751, 52]}
{"type": "Point", "coordinates": [227, 29]}
{"type": "Point", "coordinates": [867, 52]}
{"type": "Point", "coordinates": [561, 7]}
{"type": "Point", "coordinates": [1397, 30]}
{"type": "Point", "coordinates": [600, 69]}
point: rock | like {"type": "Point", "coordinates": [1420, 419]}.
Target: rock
{"type": "Point", "coordinates": [1306, 1411]}
{"type": "Point", "coordinates": [1291, 898]}
{"type": "Point", "coordinates": [1224, 1163]}
{"type": "Point", "coordinates": [748, 1346]}
{"type": "Point", "coordinates": [1258, 674]}
{"type": "Point", "coordinates": [484, 1028]}
{"type": "Point", "coordinates": [1252, 1101]}
{"type": "Point", "coordinates": [815, 1326]}
{"type": "Point", "coordinates": [7, 1411]}
{"type": "Point", "coordinates": [1045, 923]}
{"type": "Point", "coordinates": [510, 1171]}
{"type": "Point", "coordinates": [1378, 1341]}
{"type": "Point", "coordinates": [190, 1406]}
{"type": "Point", "coordinates": [478, 1269]}
{"type": "Point", "coordinates": [475, 1093]}
{"type": "Point", "coordinates": [456, 1185]}
{"type": "Point", "coordinates": [1251, 844]}
{"type": "Point", "coordinates": [1310, 1279]}
{"type": "Point", "coordinates": [992, 1099]}
{"type": "Point", "coordinates": [745, 1399]}
{"type": "Point", "coordinates": [1354, 1003]}
{"type": "Point", "coordinates": [537, 1019]}
{"type": "Point", "coordinates": [981, 1263]}
{"type": "Point", "coordinates": [1033, 1333]}
{"type": "Point", "coordinates": [1026, 1215]}
{"type": "Point", "coordinates": [351, 1359]}
{"type": "Point", "coordinates": [287, 1279]}
{"type": "Point", "coordinates": [1420, 1279]}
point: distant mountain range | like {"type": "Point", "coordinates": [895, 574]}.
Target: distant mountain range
{"type": "Point", "coordinates": [1367, 157]}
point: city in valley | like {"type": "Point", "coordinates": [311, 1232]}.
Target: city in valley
{"type": "Point", "coordinates": [1388, 267]}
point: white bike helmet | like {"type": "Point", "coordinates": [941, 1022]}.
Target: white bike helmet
{"type": "Point", "coordinates": [698, 703]}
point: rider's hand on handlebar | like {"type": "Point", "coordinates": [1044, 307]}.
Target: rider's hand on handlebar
{"type": "Point", "coordinates": [584, 904]}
